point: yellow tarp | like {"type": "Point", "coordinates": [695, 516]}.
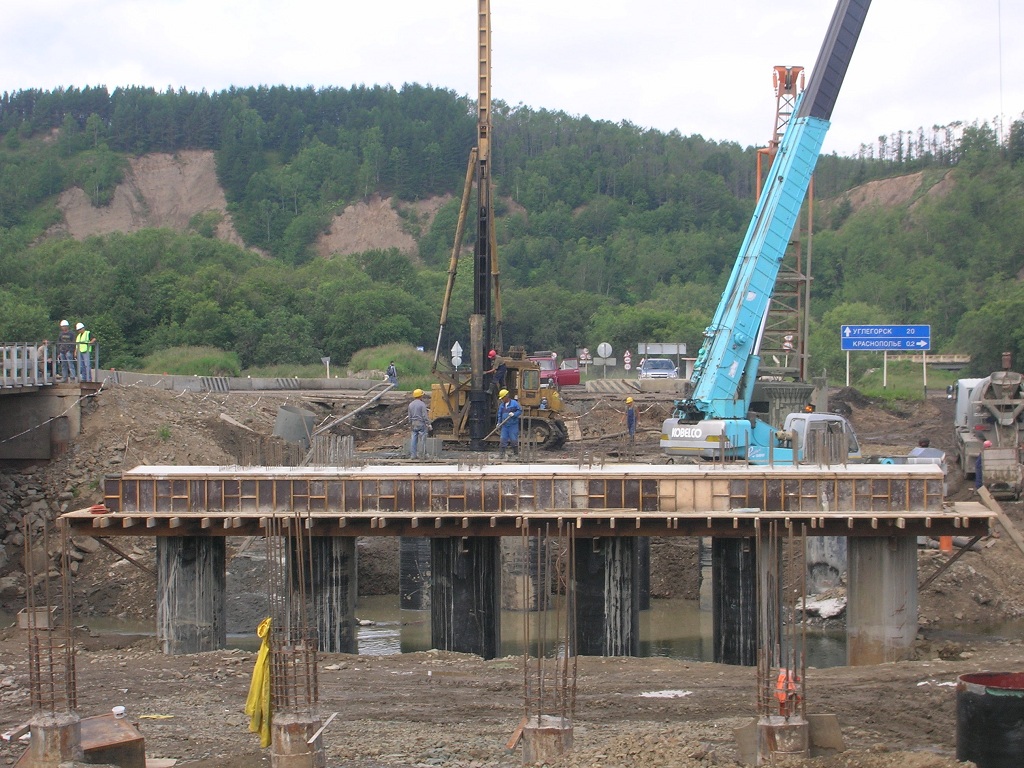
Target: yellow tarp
{"type": "Point", "coordinates": [257, 705]}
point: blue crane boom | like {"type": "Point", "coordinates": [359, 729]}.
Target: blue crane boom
{"type": "Point", "coordinates": [727, 364]}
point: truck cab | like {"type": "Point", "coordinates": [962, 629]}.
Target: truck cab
{"type": "Point", "coordinates": [554, 375]}
{"type": "Point", "coordinates": [827, 438]}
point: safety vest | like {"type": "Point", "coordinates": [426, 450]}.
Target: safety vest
{"type": "Point", "coordinates": [786, 693]}
{"type": "Point", "coordinates": [82, 339]}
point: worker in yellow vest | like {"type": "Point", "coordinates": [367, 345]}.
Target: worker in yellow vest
{"type": "Point", "coordinates": [83, 344]}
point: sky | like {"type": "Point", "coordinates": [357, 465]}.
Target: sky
{"type": "Point", "coordinates": [696, 67]}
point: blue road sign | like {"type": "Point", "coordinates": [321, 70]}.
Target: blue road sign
{"type": "Point", "coordinates": [886, 338]}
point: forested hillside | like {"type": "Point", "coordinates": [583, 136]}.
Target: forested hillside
{"type": "Point", "coordinates": [607, 232]}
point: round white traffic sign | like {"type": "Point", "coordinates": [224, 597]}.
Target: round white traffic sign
{"type": "Point", "coordinates": [604, 349]}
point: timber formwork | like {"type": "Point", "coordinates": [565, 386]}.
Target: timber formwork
{"type": "Point", "coordinates": [502, 500]}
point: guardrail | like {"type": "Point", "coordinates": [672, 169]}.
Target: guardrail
{"type": "Point", "coordinates": [37, 364]}
{"type": "Point", "coordinates": [25, 364]}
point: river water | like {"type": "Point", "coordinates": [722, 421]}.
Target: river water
{"type": "Point", "coordinates": [676, 629]}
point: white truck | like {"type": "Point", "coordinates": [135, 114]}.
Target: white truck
{"type": "Point", "coordinates": [991, 409]}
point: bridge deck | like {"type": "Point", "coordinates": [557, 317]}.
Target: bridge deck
{"type": "Point", "coordinates": [500, 500]}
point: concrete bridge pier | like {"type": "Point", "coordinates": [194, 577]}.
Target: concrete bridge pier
{"type": "Point", "coordinates": [826, 563]}
{"type": "Point", "coordinates": [190, 583]}
{"type": "Point", "coordinates": [465, 595]}
{"type": "Point", "coordinates": [413, 573]}
{"type": "Point", "coordinates": [734, 600]}
{"type": "Point", "coordinates": [332, 587]}
{"type": "Point", "coordinates": [526, 574]}
{"type": "Point", "coordinates": [644, 571]}
{"type": "Point", "coordinates": [881, 611]}
{"type": "Point", "coordinates": [608, 596]}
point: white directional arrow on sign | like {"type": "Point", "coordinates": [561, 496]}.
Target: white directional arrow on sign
{"type": "Point", "coordinates": [456, 354]}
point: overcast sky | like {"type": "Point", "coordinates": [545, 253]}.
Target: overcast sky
{"type": "Point", "coordinates": [699, 67]}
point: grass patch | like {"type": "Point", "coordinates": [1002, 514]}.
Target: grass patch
{"type": "Point", "coordinates": [413, 366]}
{"type": "Point", "coordinates": [192, 361]}
{"type": "Point", "coordinates": [904, 380]}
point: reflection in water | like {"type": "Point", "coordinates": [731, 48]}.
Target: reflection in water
{"type": "Point", "coordinates": [675, 629]}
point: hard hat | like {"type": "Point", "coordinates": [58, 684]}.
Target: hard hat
{"type": "Point", "coordinates": [79, 326]}
{"type": "Point", "coordinates": [63, 323]}
{"type": "Point", "coordinates": [417, 393]}
{"type": "Point", "coordinates": [503, 394]}
{"type": "Point", "coordinates": [629, 400]}
{"type": "Point", "coordinates": [988, 443]}
{"type": "Point", "coordinates": [492, 354]}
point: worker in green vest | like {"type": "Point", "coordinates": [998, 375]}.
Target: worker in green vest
{"type": "Point", "coordinates": [83, 344]}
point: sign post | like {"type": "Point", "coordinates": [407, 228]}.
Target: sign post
{"type": "Point", "coordinates": [885, 339]}
{"type": "Point", "coordinates": [604, 350]}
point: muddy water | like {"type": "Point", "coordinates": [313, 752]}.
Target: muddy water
{"type": "Point", "coordinates": [675, 629]}
{"type": "Point", "coordinates": [672, 628]}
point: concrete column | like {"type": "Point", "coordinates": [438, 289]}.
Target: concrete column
{"type": "Point", "coordinates": [546, 738]}
{"type": "Point", "coordinates": [826, 563]}
{"type": "Point", "coordinates": [290, 747]}
{"type": "Point", "coordinates": [465, 595]}
{"type": "Point", "coordinates": [332, 593]}
{"type": "Point", "coordinates": [607, 597]}
{"type": "Point", "coordinates": [734, 600]}
{"type": "Point", "coordinates": [190, 615]}
{"type": "Point", "coordinates": [526, 574]}
{"type": "Point", "coordinates": [413, 573]}
{"type": "Point", "coordinates": [56, 739]}
{"type": "Point", "coordinates": [881, 610]}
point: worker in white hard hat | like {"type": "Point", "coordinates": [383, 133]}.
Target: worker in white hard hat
{"type": "Point", "coordinates": [630, 418]}
{"type": "Point", "coordinates": [83, 344]}
{"type": "Point", "coordinates": [66, 351]}
{"type": "Point", "coordinates": [418, 421]}
{"type": "Point", "coordinates": [509, 412]}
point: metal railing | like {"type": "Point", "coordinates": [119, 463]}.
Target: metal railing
{"type": "Point", "coordinates": [38, 364]}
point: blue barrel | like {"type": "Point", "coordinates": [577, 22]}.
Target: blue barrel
{"type": "Point", "coordinates": [990, 719]}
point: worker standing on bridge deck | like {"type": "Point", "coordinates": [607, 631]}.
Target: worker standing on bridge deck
{"type": "Point", "coordinates": [83, 343]}
{"type": "Point", "coordinates": [392, 374]}
{"type": "Point", "coordinates": [66, 351]}
{"type": "Point", "coordinates": [509, 412]}
{"type": "Point", "coordinates": [418, 422]}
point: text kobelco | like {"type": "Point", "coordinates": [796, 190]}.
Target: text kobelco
{"type": "Point", "coordinates": [689, 432]}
